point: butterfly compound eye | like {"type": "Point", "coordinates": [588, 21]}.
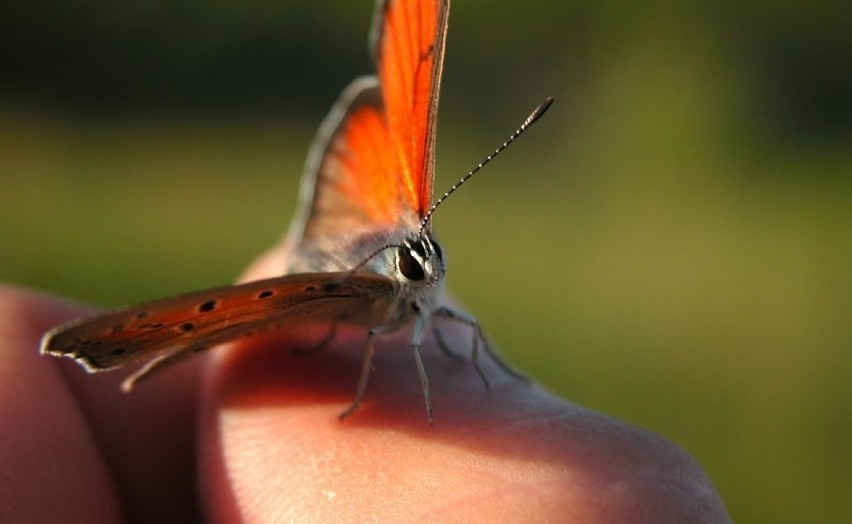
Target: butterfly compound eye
{"type": "Point", "coordinates": [409, 266]}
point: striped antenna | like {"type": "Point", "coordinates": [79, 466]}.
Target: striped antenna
{"type": "Point", "coordinates": [534, 116]}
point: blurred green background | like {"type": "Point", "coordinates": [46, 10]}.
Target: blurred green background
{"type": "Point", "coordinates": [670, 245]}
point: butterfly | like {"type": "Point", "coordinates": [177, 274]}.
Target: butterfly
{"type": "Point", "coordinates": [361, 244]}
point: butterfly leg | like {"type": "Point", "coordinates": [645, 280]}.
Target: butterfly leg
{"type": "Point", "coordinates": [457, 316]}
{"type": "Point", "coordinates": [421, 369]}
{"type": "Point", "coordinates": [478, 335]}
{"type": "Point", "coordinates": [366, 366]}
{"type": "Point", "coordinates": [155, 365]}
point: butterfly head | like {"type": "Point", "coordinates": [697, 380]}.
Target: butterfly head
{"type": "Point", "coordinates": [418, 264]}
{"type": "Point", "coordinates": [420, 261]}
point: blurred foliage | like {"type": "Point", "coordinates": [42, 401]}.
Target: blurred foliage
{"type": "Point", "coordinates": [675, 235]}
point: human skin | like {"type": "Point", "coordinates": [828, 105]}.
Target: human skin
{"type": "Point", "coordinates": [250, 433]}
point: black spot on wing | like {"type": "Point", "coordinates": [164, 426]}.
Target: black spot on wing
{"type": "Point", "coordinates": [208, 306]}
{"type": "Point", "coordinates": [265, 294]}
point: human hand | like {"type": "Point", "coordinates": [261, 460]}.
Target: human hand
{"type": "Point", "coordinates": [250, 433]}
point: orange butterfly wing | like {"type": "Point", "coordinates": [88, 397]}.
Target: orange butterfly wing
{"type": "Point", "coordinates": [371, 165]}
{"type": "Point", "coordinates": [409, 47]}
{"type": "Point", "coordinates": [190, 323]}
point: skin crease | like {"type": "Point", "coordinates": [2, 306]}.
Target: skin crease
{"type": "Point", "coordinates": [249, 433]}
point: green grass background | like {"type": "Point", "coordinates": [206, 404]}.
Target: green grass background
{"type": "Point", "coordinates": [671, 245]}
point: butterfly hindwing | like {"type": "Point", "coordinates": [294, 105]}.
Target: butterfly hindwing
{"type": "Point", "coordinates": [348, 181]}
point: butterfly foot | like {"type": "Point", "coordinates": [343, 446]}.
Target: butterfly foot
{"type": "Point", "coordinates": [348, 412]}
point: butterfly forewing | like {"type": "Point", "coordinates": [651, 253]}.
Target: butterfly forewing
{"type": "Point", "coordinates": [371, 166]}
{"type": "Point", "coordinates": [409, 50]}
{"type": "Point", "coordinates": [199, 320]}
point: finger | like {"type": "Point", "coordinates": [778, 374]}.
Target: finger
{"type": "Point", "coordinates": [53, 470]}
{"type": "Point", "coordinates": [146, 439]}
{"type": "Point", "coordinates": [272, 444]}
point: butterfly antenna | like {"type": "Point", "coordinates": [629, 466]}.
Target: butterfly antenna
{"type": "Point", "coordinates": [534, 116]}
